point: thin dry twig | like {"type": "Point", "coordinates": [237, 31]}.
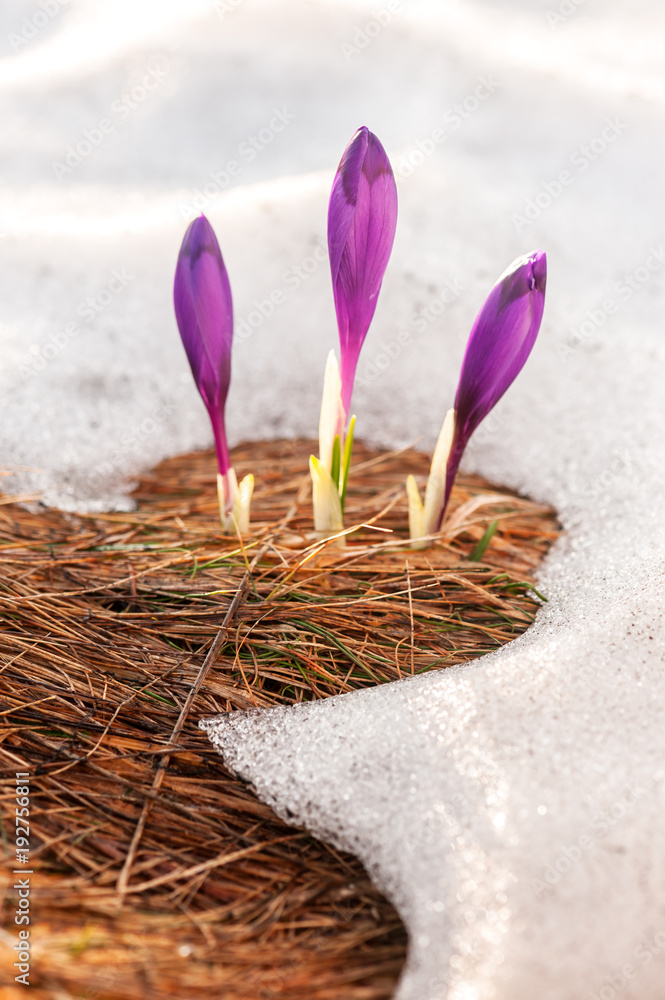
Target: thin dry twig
{"type": "Point", "coordinates": [125, 873]}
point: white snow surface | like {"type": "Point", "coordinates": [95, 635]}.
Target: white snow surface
{"type": "Point", "coordinates": [513, 808]}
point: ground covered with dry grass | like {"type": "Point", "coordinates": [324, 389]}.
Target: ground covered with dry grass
{"type": "Point", "coordinates": [156, 872]}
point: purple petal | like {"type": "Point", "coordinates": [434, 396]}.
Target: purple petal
{"type": "Point", "coordinates": [503, 334]}
{"type": "Point", "coordinates": [362, 216]}
{"type": "Point", "coordinates": [204, 312]}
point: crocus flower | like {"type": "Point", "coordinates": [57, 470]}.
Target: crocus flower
{"type": "Point", "coordinates": [204, 313]}
{"type": "Point", "coordinates": [362, 216]}
{"type": "Point", "coordinates": [500, 342]}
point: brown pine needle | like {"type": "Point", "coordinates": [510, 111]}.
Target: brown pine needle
{"type": "Point", "coordinates": [156, 873]}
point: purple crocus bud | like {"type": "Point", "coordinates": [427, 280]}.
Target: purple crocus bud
{"type": "Point", "coordinates": [204, 311]}
{"type": "Point", "coordinates": [500, 342]}
{"type": "Point", "coordinates": [362, 216]}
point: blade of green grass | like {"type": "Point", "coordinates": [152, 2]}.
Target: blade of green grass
{"type": "Point", "coordinates": [481, 547]}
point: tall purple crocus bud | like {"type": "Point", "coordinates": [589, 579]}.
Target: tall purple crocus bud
{"type": "Point", "coordinates": [362, 216]}
{"type": "Point", "coordinates": [204, 312]}
{"type": "Point", "coordinates": [500, 342]}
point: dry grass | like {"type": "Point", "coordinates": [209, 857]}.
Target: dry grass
{"type": "Point", "coordinates": [156, 872]}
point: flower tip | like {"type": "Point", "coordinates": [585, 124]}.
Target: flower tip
{"type": "Point", "coordinates": [364, 155]}
{"type": "Point", "coordinates": [539, 269]}
{"type": "Point", "coordinates": [359, 138]}
{"type": "Point", "coordinates": [376, 162]}
{"type": "Point", "coordinates": [199, 238]}
{"type": "Point", "coordinates": [531, 265]}
{"type": "Point", "coordinates": [527, 263]}
{"type": "Point", "coordinates": [525, 278]}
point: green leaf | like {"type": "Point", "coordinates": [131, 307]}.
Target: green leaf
{"type": "Point", "coordinates": [334, 471]}
{"type": "Point", "coordinates": [346, 461]}
{"type": "Point", "coordinates": [480, 548]}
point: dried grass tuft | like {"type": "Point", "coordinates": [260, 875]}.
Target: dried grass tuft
{"type": "Point", "coordinates": [156, 872]}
